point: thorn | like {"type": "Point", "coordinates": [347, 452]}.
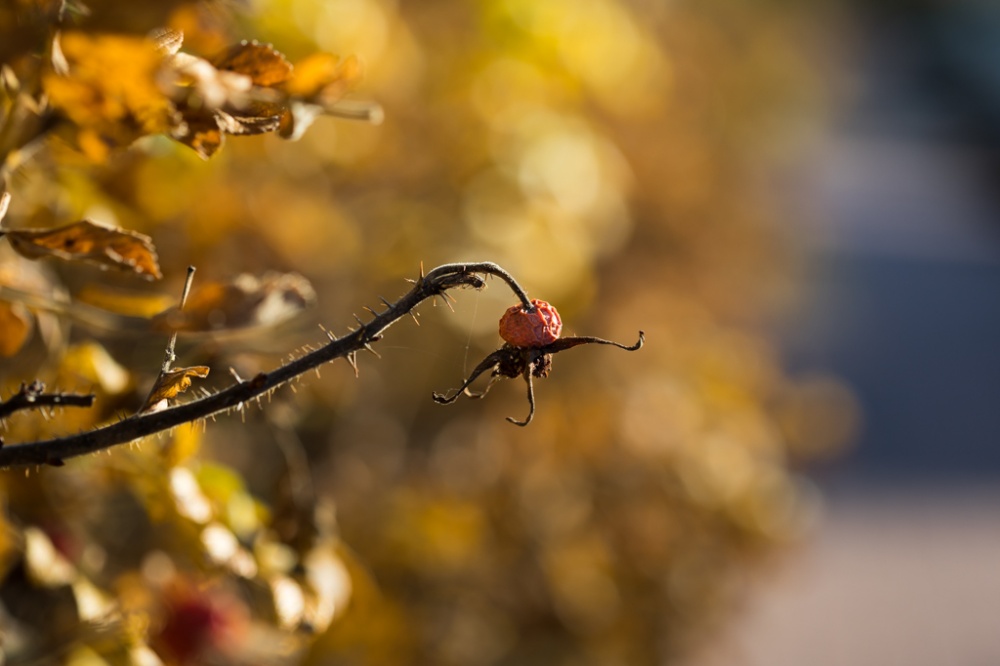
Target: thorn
{"type": "Point", "coordinates": [387, 304]}
{"type": "Point", "coordinates": [413, 316]}
{"type": "Point", "coordinates": [369, 348]}
{"type": "Point", "coordinates": [358, 319]}
{"type": "Point", "coordinates": [352, 358]}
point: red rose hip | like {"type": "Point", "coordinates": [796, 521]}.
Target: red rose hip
{"type": "Point", "coordinates": [538, 328]}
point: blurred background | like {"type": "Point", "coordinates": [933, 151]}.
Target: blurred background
{"type": "Point", "coordinates": [792, 200]}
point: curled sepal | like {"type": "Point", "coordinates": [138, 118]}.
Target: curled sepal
{"type": "Point", "coordinates": [567, 343]}
{"type": "Point", "coordinates": [491, 362]}
{"type": "Point", "coordinates": [531, 402]}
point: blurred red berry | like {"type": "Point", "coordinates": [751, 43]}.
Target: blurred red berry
{"type": "Point", "coordinates": [537, 328]}
{"type": "Point", "coordinates": [199, 622]}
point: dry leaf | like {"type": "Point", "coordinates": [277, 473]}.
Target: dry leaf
{"type": "Point", "coordinates": [245, 302]}
{"type": "Point", "coordinates": [90, 242]}
{"type": "Point", "coordinates": [201, 133]}
{"type": "Point", "coordinates": [261, 62]}
{"type": "Point", "coordinates": [15, 327]}
{"type": "Point", "coordinates": [170, 384]}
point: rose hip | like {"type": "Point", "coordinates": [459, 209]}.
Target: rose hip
{"type": "Point", "coordinates": [537, 328]}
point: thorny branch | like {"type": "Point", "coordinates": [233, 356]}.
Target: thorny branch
{"type": "Point", "coordinates": [33, 396]}
{"type": "Point", "coordinates": [435, 283]}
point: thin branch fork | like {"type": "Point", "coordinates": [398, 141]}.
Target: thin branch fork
{"type": "Point", "coordinates": [435, 283]}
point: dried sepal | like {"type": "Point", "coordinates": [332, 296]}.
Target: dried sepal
{"type": "Point", "coordinates": [88, 241]}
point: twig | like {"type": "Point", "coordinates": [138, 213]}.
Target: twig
{"type": "Point", "coordinates": [33, 396]}
{"type": "Point", "coordinates": [169, 357]}
{"type": "Point", "coordinates": [434, 283]}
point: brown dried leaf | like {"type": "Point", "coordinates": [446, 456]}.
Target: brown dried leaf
{"type": "Point", "coordinates": [201, 133]}
{"type": "Point", "coordinates": [15, 327]}
{"type": "Point", "coordinates": [91, 242]}
{"type": "Point", "coordinates": [171, 384]}
{"type": "Point", "coordinates": [261, 62]}
{"type": "Point", "coordinates": [245, 302]}
{"type": "Point", "coordinates": [250, 123]}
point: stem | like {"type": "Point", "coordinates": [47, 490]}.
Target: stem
{"type": "Point", "coordinates": [169, 357]}
{"type": "Point", "coordinates": [434, 283]}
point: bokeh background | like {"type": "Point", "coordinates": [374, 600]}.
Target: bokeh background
{"type": "Point", "coordinates": [792, 200]}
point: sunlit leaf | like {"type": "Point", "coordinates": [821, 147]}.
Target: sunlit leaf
{"type": "Point", "coordinates": [289, 601]}
{"type": "Point", "coordinates": [129, 303]}
{"type": "Point", "coordinates": [90, 364]}
{"type": "Point", "coordinates": [330, 583]}
{"type": "Point", "coordinates": [167, 40]}
{"type": "Point", "coordinates": [171, 384]}
{"type": "Point", "coordinates": [111, 87]}
{"type": "Point", "coordinates": [188, 496]}
{"type": "Point", "coordinates": [45, 565]}
{"type": "Point", "coordinates": [92, 604]}
{"type": "Point", "coordinates": [247, 301]}
{"type": "Point", "coordinates": [222, 546]}
{"type": "Point", "coordinates": [91, 242]}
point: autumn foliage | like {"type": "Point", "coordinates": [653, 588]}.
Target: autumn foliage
{"type": "Point", "coordinates": [607, 153]}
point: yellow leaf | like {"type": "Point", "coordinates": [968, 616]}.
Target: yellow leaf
{"type": "Point", "coordinates": [15, 327]}
{"type": "Point", "coordinates": [128, 303]}
{"type": "Point", "coordinates": [90, 242]}
{"type": "Point", "coordinates": [111, 87]}
{"type": "Point", "coordinates": [316, 73]}
{"type": "Point", "coordinates": [171, 384]}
